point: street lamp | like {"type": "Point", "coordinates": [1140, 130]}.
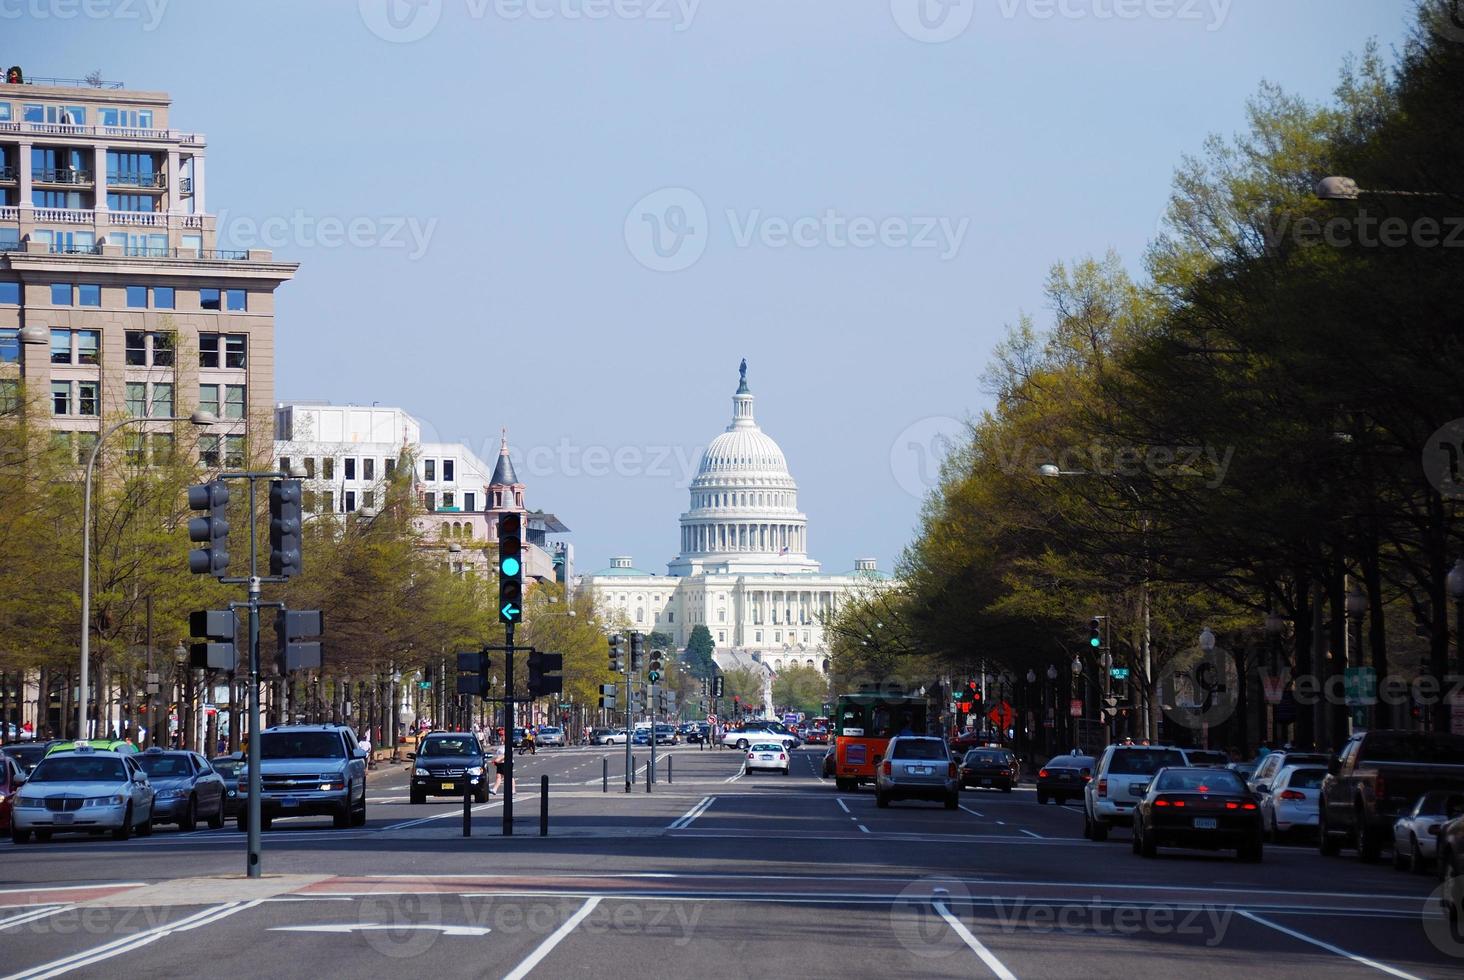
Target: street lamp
{"type": "Point", "coordinates": [200, 419]}
{"type": "Point", "coordinates": [1207, 640]}
{"type": "Point", "coordinates": [35, 334]}
{"type": "Point", "coordinates": [1346, 189]}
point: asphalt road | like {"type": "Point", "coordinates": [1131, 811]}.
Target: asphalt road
{"type": "Point", "coordinates": [713, 874]}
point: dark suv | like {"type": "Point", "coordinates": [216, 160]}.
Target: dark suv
{"type": "Point", "coordinates": [448, 764]}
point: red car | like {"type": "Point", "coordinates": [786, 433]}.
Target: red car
{"type": "Point", "coordinates": [11, 779]}
{"type": "Point", "coordinates": [818, 736]}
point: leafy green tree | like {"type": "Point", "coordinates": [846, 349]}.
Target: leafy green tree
{"type": "Point", "coordinates": [698, 654]}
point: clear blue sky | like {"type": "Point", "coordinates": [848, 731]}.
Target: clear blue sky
{"type": "Point", "coordinates": [518, 138]}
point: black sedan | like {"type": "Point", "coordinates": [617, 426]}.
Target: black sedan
{"type": "Point", "coordinates": [231, 767]}
{"type": "Point", "coordinates": [1200, 808]}
{"type": "Point", "coordinates": [993, 768]}
{"type": "Point", "coordinates": [1063, 778]}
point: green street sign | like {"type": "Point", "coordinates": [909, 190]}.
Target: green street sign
{"type": "Point", "coordinates": [1360, 686]}
{"type": "Point", "coordinates": [1118, 673]}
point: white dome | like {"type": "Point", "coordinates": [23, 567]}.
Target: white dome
{"type": "Point", "coordinates": [743, 452]}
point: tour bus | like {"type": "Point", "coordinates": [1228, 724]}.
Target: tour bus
{"type": "Point", "coordinates": [863, 726]}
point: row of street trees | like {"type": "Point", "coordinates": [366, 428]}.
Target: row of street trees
{"type": "Point", "coordinates": [1261, 436]}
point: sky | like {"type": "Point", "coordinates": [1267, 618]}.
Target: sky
{"type": "Point", "coordinates": [573, 218]}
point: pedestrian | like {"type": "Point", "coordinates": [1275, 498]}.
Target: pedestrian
{"type": "Point", "coordinates": [365, 746]}
{"type": "Point", "coordinates": [498, 763]}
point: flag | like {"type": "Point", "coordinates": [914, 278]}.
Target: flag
{"type": "Point", "coordinates": [784, 551]}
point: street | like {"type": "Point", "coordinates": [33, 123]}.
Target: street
{"type": "Point", "coordinates": [714, 874]}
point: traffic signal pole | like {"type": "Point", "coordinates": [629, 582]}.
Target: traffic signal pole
{"type": "Point", "coordinates": [509, 703]}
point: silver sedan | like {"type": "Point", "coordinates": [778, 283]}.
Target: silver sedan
{"type": "Point", "coordinates": [84, 790]}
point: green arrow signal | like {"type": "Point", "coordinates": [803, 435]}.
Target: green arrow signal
{"type": "Point", "coordinates": [509, 610]}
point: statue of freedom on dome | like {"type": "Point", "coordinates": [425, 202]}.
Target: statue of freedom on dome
{"type": "Point", "coordinates": [742, 376]}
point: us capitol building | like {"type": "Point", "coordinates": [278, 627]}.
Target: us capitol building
{"type": "Point", "coordinates": [743, 570]}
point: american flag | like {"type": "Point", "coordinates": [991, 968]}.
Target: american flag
{"type": "Point", "coordinates": [784, 551]}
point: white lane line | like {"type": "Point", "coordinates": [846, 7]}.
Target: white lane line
{"type": "Point", "coordinates": [738, 775]}
{"type": "Point", "coordinates": [454, 812]}
{"type": "Point", "coordinates": [971, 811]}
{"type": "Point", "coordinates": [684, 821]}
{"type": "Point", "coordinates": [864, 828]}
{"type": "Point", "coordinates": [73, 888]}
{"type": "Point", "coordinates": [547, 946]}
{"type": "Point", "coordinates": [1030, 834]}
{"type": "Point", "coordinates": [33, 915]}
{"type": "Point", "coordinates": [987, 956]}
{"type": "Point", "coordinates": [126, 944]}
{"type": "Point", "coordinates": [842, 804]}
{"type": "Point", "coordinates": [1328, 946]}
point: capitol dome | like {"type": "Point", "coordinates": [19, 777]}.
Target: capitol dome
{"type": "Point", "coordinates": [744, 513]}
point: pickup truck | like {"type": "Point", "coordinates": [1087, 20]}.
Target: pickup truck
{"type": "Point", "coordinates": [308, 770]}
{"type": "Point", "coordinates": [1376, 776]}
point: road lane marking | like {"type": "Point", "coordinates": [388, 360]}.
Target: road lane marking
{"type": "Point", "coordinates": [547, 946]}
{"type": "Point", "coordinates": [972, 812]}
{"type": "Point", "coordinates": [864, 828]}
{"type": "Point", "coordinates": [454, 812]}
{"type": "Point", "coordinates": [1328, 946]}
{"type": "Point", "coordinates": [33, 915]}
{"type": "Point", "coordinates": [1030, 834]}
{"type": "Point", "coordinates": [995, 965]}
{"type": "Point", "coordinates": [387, 927]}
{"type": "Point", "coordinates": [72, 888]}
{"type": "Point", "coordinates": [842, 804]}
{"type": "Point", "coordinates": [684, 821]}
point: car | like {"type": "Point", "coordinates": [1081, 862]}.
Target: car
{"type": "Point", "coordinates": [231, 767]}
{"type": "Point", "coordinates": [308, 770]}
{"type": "Point", "coordinates": [1289, 802]}
{"type": "Point", "coordinates": [642, 736]}
{"type": "Point", "coordinates": [83, 789]}
{"type": "Point", "coordinates": [12, 778]}
{"type": "Point", "coordinates": [551, 735]}
{"type": "Point", "coordinates": [830, 761]}
{"type": "Point", "coordinates": [1373, 780]}
{"type": "Point", "coordinates": [766, 755]}
{"type": "Point", "coordinates": [1117, 784]}
{"type": "Point", "coordinates": [16, 733]}
{"type": "Point", "coordinates": [1064, 777]}
{"type": "Point", "coordinates": [1267, 768]}
{"type": "Point", "coordinates": [695, 732]}
{"type": "Point", "coordinates": [1199, 807]}
{"type": "Point", "coordinates": [1416, 831]}
{"type": "Point", "coordinates": [818, 736]}
{"type": "Point", "coordinates": [666, 735]}
{"type": "Point", "coordinates": [1206, 757]}
{"type": "Point", "coordinates": [615, 737]}
{"type": "Point", "coordinates": [27, 754]}
{"type": "Point", "coordinates": [600, 736]}
{"type": "Point", "coordinates": [965, 740]}
{"type": "Point", "coordinates": [120, 745]}
{"type": "Point", "coordinates": [741, 738]}
{"type": "Point", "coordinates": [186, 788]}
{"type": "Point", "coordinates": [448, 764]}
{"type": "Point", "coordinates": [519, 737]}
{"type": "Point", "coordinates": [1244, 770]}
{"type": "Point", "coordinates": [996, 768]}
{"type": "Point", "coordinates": [917, 767]}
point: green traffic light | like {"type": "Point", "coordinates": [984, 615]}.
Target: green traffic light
{"type": "Point", "coordinates": [1094, 641]}
{"type": "Point", "coordinates": [510, 566]}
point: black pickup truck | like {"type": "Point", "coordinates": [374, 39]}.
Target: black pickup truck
{"type": "Point", "coordinates": [1375, 776]}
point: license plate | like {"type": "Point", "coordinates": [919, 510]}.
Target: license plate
{"type": "Point", "coordinates": [448, 785]}
{"type": "Point", "coordinates": [985, 782]}
{"type": "Point", "coordinates": [1064, 777]}
{"type": "Point", "coordinates": [64, 817]}
{"type": "Point", "coordinates": [1205, 823]}
{"type": "Point", "coordinates": [766, 758]}
{"type": "Point", "coordinates": [920, 770]}
{"type": "Point", "coordinates": [289, 803]}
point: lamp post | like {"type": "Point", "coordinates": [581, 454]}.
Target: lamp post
{"type": "Point", "coordinates": [1275, 624]}
{"type": "Point", "coordinates": [82, 701]}
{"type": "Point", "coordinates": [1052, 698]}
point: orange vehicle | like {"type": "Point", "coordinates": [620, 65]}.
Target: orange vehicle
{"type": "Point", "coordinates": [863, 727]}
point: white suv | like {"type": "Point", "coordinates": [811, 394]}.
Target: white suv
{"type": "Point", "coordinates": [1119, 781]}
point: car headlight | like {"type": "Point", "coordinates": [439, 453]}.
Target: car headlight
{"type": "Point", "coordinates": [421, 772]}
{"type": "Point", "coordinates": [172, 794]}
{"type": "Point", "coordinates": [33, 802]}
{"type": "Point", "coordinates": [116, 799]}
{"type": "Point", "coordinates": [328, 787]}
{"type": "Point", "coordinates": [475, 771]}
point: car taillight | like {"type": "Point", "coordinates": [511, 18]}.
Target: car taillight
{"type": "Point", "coordinates": [1232, 805]}
{"type": "Point", "coordinates": [1102, 787]}
{"type": "Point", "coordinates": [1292, 794]}
{"type": "Point", "coordinates": [1380, 788]}
{"type": "Point", "coordinates": [1161, 802]}
{"type": "Point", "coordinates": [1041, 773]}
{"type": "Point", "coordinates": [751, 755]}
{"type": "Point", "coordinates": [1247, 806]}
{"type": "Point", "coordinates": [782, 756]}
{"type": "Point", "coordinates": [887, 768]}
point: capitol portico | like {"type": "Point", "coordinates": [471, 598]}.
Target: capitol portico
{"type": "Point", "coordinates": [743, 569]}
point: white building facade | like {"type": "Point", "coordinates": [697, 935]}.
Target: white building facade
{"type": "Point", "coordinates": [743, 569]}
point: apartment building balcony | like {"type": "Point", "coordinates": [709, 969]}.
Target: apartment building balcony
{"type": "Point", "coordinates": [138, 181]}
{"type": "Point", "coordinates": [66, 177]}
{"type": "Point", "coordinates": [9, 175]}
{"type": "Point", "coordinates": [90, 216]}
{"type": "Point", "coordinates": [181, 137]}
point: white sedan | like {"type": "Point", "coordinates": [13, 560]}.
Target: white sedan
{"type": "Point", "coordinates": [1290, 804]}
{"type": "Point", "coordinates": [766, 755]}
{"type": "Point", "coordinates": [1415, 832]}
{"type": "Point", "coordinates": [617, 737]}
{"type": "Point", "coordinates": [743, 739]}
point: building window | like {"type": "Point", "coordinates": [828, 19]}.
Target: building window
{"type": "Point", "coordinates": [284, 464]}
{"type": "Point", "coordinates": [431, 500]}
{"type": "Point", "coordinates": [132, 202]}
{"type": "Point", "coordinates": [136, 450]}
{"type": "Point", "coordinates": [60, 346]}
{"type": "Point", "coordinates": [429, 469]}
{"type": "Point", "coordinates": [757, 636]}
{"type": "Point", "coordinates": [470, 502]}
{"type": "Point", "coordinates": [368, 498]}
{"type": "Point", "coordinates": [208, 400]}
{"type": "Point", "coordinates": [88, 347]}
{"type": "Point", "coordinates": [235, 349]}
{"type": "Point", "coordinates": [162, 349]}
{"type": "Point", "coordinates": [390, 468]}
{"type": "Point", "coordinates": [447, 500]}
{"type": "Point", "coordinates": [234, 401]}
{"type": "Point", "coordinates": [137, 297]}
{"type": "Point", "coordinates": [136, 348]}
{"type": "Point", "coordinates": [235, 300]}
{"type": "Point", "coordinates": [327, 502]}
{"type": "Point", "coordinates": [208, 299]}
{"type": "Point", "coordinates": [86, 397]}
{"type": "Point", "coordinates": [10, 293]}
{"type": "Point", "coordinates": [208, 350]}
{"type": "Point", "coordinates": [640, 615]}
{"type": "Point", "coordinates": [350, 501]}
{"type": "Point", "coordinates": [368, 468]}
{"type": "Point", "coordinates": [9, 395]}
{"type": "Point", "coordinates": [9, 346]}
{"type": "Point", "coordinates": [448, 467]}
{"type": "Point", "coordinates": [60, 398]}
{"type": "Point", "coordinates": [163, 297]}
{"type": "Point", "coordinates": [208, 451]}
{"type": "Point", "coordinates": [721, 638]}
{"type": "Point", "coordinates": [350, 467]}
{"type": "Point", "coordinates": [162, 400]}
{"type": "Point", "coordinates": [162, 448]}
{"type": "Point", "coordinates": [310, 467]}
{"type": "Point", "coordinates": [136, 397]}
{"type": "Point", "coordinates": [670, 618]}
{"type": "Point", "coordinates": [234, 452]}
{"type": "Point", "coordinates": [89, 294]}
{"type": "Point", "coordinates": [327, 467]}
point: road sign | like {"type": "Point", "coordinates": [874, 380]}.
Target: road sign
{"type": "Point", "coordinates": [1360, 686]}
{"type": "Point", "coordinates": [1118, 673]}
{"type": "Point", "coordinates": [1001, 715]}
{"type": "Point", "coordinates": [1075, 707]}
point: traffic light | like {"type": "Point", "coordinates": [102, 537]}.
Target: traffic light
{"type": "Point", "coordinates": [542, 677]}
{"type": "Point", "coordinates": [216, 628]}
{"type": "Point", "coordinates": [717, 686]}
{"type": "Point", "coordinates": [637, 652]}
{"type": "Point", "coordinates": [510, 568]}
{"type": "Point", "coordinates": [617, 662]}
{"type": "Point", "coordinates": [285, 519]}
{"type": "Point", "coordinates": [1095, 635]}
{"type": "Point", "coordinates": [212, 531]}
{"type": "Point", "coordinates": [473, 670]}
{"type": "Point", "coordinates": [294, 650]}
{"type": "Point", "coordinates": [655, 674]}
{"type": "Point", "coordinates": [607, 696]}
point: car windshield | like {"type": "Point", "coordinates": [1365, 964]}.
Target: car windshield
{"type": "Point", "coordinates": [1200, 781]}
{"type": "Point", "coordinates": [467, 745]}
{"type": "Point", "coordinates": [919, 748]}
{"type": "Point", "coordinates": [164, 766]}
{"type": "Point", "coordinates": [1438, 748]}
{"type": "Point", "coordinates": [985, 757]}
{"type": "Point", "coordinates": [227, 767]}
{"type": "Point", "coordinates": [79, 769]}
{"type": "Point", "coordinates": [301, 745]}
{"type": "Point", "coordinates": [1202, 757]}
{"type": "Point", "coordinates": [26, 755]}
{"type": "Point", "coordinates": [1070, 762]}
{"type": "Point", "coordinates": [1306, 778]}
{"type": "Point", "coordinates": [548, 731]}
{"type": "Point", "coordinates": [1143, 762]}
{"type": "Point", "coordinates": [767, 747]}
{"type": "Point", "coordinates": [1439, 802]}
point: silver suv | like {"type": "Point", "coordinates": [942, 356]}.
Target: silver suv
{"type": "Point", "coordinates": [917, 768]}
{"type": "Point", "coordinates": [308, 770]}
{"type": "Point", "coordinates": [1120, 781]}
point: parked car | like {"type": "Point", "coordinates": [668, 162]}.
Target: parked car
{"type": "Point", "coordinates": [1119, 782]}
{"type": "Point", "coordinates": [308, 770]}
{"type": "Point", "coordinates": [1289, 804]}
{"type": "Point", "coordinates": [1267, 768]}
{"type": "Point", "coordinates": [448, 764]}
{"type": "Point", "coordinates": [1416, 831]}
{"type": "Point", "coordinates": [1374, 779]}
{"type": "Point", "coordinates": [1064, 777]}
{"type": "Point", "coordinates": [186, 788]}
{"type": "Point", "coordinates": [85, 789]}
{"type": "Point", "coordinates": [26, 754]}
{"type": "Point", "coordinates": [231, 767]}
{"type": "Point", "coordinates": [917, 767]}
{"type": "Point", "coordinates": [1202, 807]}
{"type": "Point", "coordinates": [766, 755]}
{"type": "Point", "coordinates": [12, 778]}
{"type": "Point", "coordinates": [551, 735]}
{"type": "Point", "coordinates": [995, 768]}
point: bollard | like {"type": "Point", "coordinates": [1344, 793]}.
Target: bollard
{"type": "Point", "coordinates": [544, 806]}
{"type": "Point", "coordinates": [648, 778]}
{"type": "Point", "coordinates": [669, 760]}
{"type": "Point", "coordinates": [604, 774]}
{"type": "Point", "coordinates": [468, 808]}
